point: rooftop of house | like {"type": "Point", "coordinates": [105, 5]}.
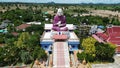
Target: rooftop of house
{"type": "Point", "coordinates": [36, 23]}
{"type": "Point", "coordinates": [15, 33]}
{"type": "Point", "coordinates": [23, 26]}
{"type": "Point", "coordinates": [6, 21]}
{"type": "Point", "coordinates": [112, 35]}
{"type": "Point", "coordinates": [3, 25]}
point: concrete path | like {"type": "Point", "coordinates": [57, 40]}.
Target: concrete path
{"type": "Point", "coordinates": [60, 55]}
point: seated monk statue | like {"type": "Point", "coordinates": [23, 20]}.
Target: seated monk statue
{"type": "Point", "coordinates": [59, 22]}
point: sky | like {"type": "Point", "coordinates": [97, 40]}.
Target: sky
{"type": "Point", "coordinates": [65, 1]}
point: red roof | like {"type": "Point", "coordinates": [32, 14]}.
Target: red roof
{"type": "Point", "coordinates": [114, 29]}
{"type": "Point", "coordinates": [103, 36]}
{"type": "Point", "coordinates": [60, 37]}
{"type": "Point", "coordinates": [15, 33]}
{"type": "Point", "coordinates": [109, 30]}
{"type": "Point", "coordinates": [112, 35]}
{"type": "Point", "coordinates": [97, 38]}
{"type": "Point", "coordinates": [23, 26]}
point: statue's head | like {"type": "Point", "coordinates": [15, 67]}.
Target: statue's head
{"type": "Point", "coordinates": [59, 12]}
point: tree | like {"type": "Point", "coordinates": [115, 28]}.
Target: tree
{"type": "Point", "coordinates": [26, 57]}
{"type": "Point", "coordinates": [94, 50]}
{"type": "Point", "coordinates": [81, 56]}
{"type": "Point", "coordinates": [104, 52]}
{"type": "Point", "coordinates": [89, 48]}
{"type": "Point", "coordinates": [39, 53]}
{"type": "Point", "coordinates": [2, 39]}
{"type": "Point", "coordinates": [23, 40]}
{"type": "Point", "coordinates": [36, 28]}
{"type": "Point", "coordinates": [88, 45]}
{"type": "Point", "coordinates": [29, 45]}
{"type": "Point", "coordinates": [9, 54]}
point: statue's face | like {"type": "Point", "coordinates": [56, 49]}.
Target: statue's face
{"type": "Point", "coordinates": [60, 13]}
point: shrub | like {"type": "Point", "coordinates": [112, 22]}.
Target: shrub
{"type": "Point", "coordinates": [83, 55]}
{"type": "Point", "coordinates": [94, 50]}
{"type": "Point", "coordinates": [89, 48]}
{"type": "Point", "coordinates": [2, 40]}
{"type": "Point", "coordinates": [104, 52]}
{"type": "Point", "coordinates": [26, 57]}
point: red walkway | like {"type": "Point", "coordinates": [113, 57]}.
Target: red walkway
{"type": "Point", "coordinates": [60, 55]}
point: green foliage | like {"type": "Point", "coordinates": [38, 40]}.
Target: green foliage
{"type": "Point", "coordinates": [8, 35]}
{"type": "Point", "coordinates": [104, 52]}
{"type": "Point", "coordinates": [8, 55]}
{"type": "Point", "coordinates": [88, 57]}
{"type": "Point", "coordinates": [18, 16]}
{"type": "Point", "coordinates": [2, 40]}
{"type": "Point", "coordinates": [81, 56]}
{"type": "Point", "coordinates": [76, 32]}
{"type": "Point", "coordinates": [23, 40]}
{"type": "Point", "coordinates": [25, 50]}
{"type": "Point", "coordinates": [95, 51]}
{"type": "Point", "coordinates": [94, 20]}
{"type": "Point", "coordinates": [26, 57]}
{"type": "Point", "coordinates": [80, 11]}
{"type": "Point", "coordinates": [34, 13]}
{"type": "Point", "coordinates": [30, 43]}
{"type": "Point", "coordinates": [5, 37]}
{"type": "Point", "coordinates": [89, 49]}
{"type": "Point", "coordinates": [116, 8]}
{"type": "Point", "coordinates": [115, 21]}
{"type": "Point", "coordinates": [71, 20]}
{"type": "Point", "coordinates": [39, 53]}
{"type": "Point", "coordinates": [88, 45]}
{"type": "Point", "coordinates": [35, 28]}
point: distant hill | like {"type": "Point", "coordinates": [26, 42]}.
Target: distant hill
{"type": "Point", "coordinates": [52, 2]}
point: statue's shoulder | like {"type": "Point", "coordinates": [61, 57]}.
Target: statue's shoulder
{"type": "Point", "coordinates": [64, 16]}
{"type": "Point", "coordinates": [55, 16]}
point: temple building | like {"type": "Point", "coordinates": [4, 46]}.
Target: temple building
{"type": "Point", "coordinates": [47, 41]}
{"type": "Point", "coordinates": [111, 35]}
{"type": "Point", "coordinates": [60, 44]}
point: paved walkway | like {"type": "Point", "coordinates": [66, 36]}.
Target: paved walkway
{"type": "Point", "coordinates": [60, 55]}
{"type": "Point", "coordinates": [116, 64]}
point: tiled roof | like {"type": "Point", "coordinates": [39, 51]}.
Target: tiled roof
{"type": "Point", "coordinates": [15, 33]}
{"type": "Point", "coordinates": [23, 26]}
{"type": "Point", "coordinates": [102, 35]}
{"type": "Point", "coordinates": [60, 37]}
{"type": "Point", "coordinates": [112, 35]}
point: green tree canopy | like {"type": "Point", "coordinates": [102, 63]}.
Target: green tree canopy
{"type": "Point", "coordinates": [23, 40]}
{"type": "Point", "coordinates": [88, 45]}
{"type": "Point", "coordinates": [104, 52]}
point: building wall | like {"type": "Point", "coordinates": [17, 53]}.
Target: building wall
{"type": "Point", "coordinates": [46, 45]}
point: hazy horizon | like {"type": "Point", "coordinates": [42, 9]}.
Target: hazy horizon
{"type": "Point", "coordinates": [65, 1]}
